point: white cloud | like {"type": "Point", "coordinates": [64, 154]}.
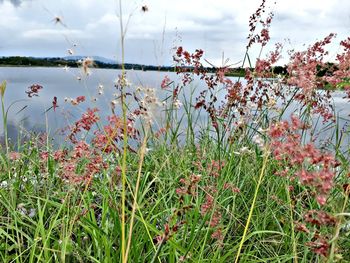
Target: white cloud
{"type": "Point", "coordinates": [215, 26]}
{"type": "Point", "coordinates": [53, 34]}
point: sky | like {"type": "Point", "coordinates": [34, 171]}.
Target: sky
{"type": "Point", "coordinates": [220, 28]}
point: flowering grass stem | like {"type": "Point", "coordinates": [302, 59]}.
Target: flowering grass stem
{"type": "Point", "coordinates": [260, 179]}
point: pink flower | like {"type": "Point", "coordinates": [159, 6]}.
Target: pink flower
{"type": "Point", "coordinates": [33, 90]}
{"type": "Point", "coordinates": [80, 99]}
{"type": "Point", "coordinates": [44, 156]}
{"type": "Point", "coordinates": [165, 82]}
{"type": "Point", "coordinates": [312, 167]}
{"type": "Point", "coordinates": [86, 122]}
{"type": "Point", "coordinates": [14, 156]}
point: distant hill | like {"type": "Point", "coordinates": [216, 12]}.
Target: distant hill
{"type": "Point", "coordinates": [95, 58]}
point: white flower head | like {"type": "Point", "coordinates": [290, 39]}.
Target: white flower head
{"type": "Point", "coordinates": [258, 140]}
{"type": "Point", "coordinates": [177, 104]}
{"type": "Point", "coordinates": [3, 184]}
{"type": "Point", "coordinates": [32, 212]}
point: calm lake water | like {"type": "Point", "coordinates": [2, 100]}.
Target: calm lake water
{"type": "Point", "coordinates": [28, 114]}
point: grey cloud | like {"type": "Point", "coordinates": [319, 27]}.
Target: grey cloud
{"type": "Point", "coordinates": [14, 2]}
{"type": "Point", "coordinates": [210, 21]}
{"type": "Point", "coordinates": [97, 33]}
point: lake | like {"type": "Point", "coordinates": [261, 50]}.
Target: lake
{"type": "Point", "coordinates": [30, 114]}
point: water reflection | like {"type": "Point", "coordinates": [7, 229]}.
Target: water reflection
{"type": "Point", "coordinates": [32, 115]}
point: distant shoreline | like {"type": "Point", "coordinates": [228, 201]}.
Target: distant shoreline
{"type": "Point", "coordinates": [153, 70]}
{"type": "Point", "coordinates": [18, 61]}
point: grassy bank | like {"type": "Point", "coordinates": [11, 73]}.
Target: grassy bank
{"type": "Point", "coordinates": [236, 180]}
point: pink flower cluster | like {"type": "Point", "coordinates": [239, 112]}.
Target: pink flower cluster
{"type": "Point", "coordinates": [303, 73]}
{"type": "Point", "coordinates": [33, 90]}
{"type": "Point", "coordinates": [256, 19]}
{"type": "Point", "coordinates": [208, 207]}
{"type": "Point", "coordinates": [313, 168]}
{"type": "Point", "coordinates": [165, 82]}
{"type": "Point", "coordinates": [87, 120]}
{"type": "Point", "coordinates": [106, 139]}
{"type": "Point", "coordinates": [303, 65]}
{"type": "Point", "coordinates": [69, 163]}
{"type": "Point", "coordinates": [189, 186]}
{"type": "Point", "coordinates": [342, 70]}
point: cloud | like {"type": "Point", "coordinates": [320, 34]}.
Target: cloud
{"type": "Point", "coordinates": [215, 26]}
{"type": "Point", "coordinates": [14, 2]}
{"type": "Point", "coordinates": [52, 34]}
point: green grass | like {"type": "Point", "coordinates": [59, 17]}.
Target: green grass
{"type": "Point", "coordinates": [74, 224]}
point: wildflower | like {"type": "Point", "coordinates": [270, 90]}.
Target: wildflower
{"type": "Point", "coordinates": [319, 246]}
{"type": "Point", "coordinates": [77, 100]}
{"type": "Point", "coordinates": [215, 168]}
{"type": "Point", "coordinates": [233, 188]}
{"type": "Point", "coordinates": [81, 149]}
{"type": "Point", "coordinates": [3, 88]}
{"type": "Point", "coordinates": [54, 103]}
{"type": "Point", "coordinates": [14, 156]}
{"type": "Point", "coordinates": [33, 90]}
{"type": "Point", "coordinates": [184, 258]}
{"type": "Point", "coordinates": [301, 227]}
{"type": "Point", "coordinates": [80, 99]}
{"type": "Point", "coordinates": [59, 20]}
{"type": "Point", "coordinates": [100, 89]}
{"type": "Point", "coordinates": [86, 63]}
{"type": "Point", "coordinates": [32, 212]}
{"type": "Point", "coordinates": [271, 103]}
{"type": "Point", "coordinates": [44, 155]}
{"type": "Point", "coordinates": [21, 209]}
{"type": "Point", "coordinates": [190, 185]}
{"type": "Point", "coordinates": [258, 140]}
{"type": "Point", "coordinates": [59, 155]}
{"type": "Point", "coordinates": [245, 150]}
{"type": "Point", "coordinates": [177, 104]}
{"type": "Point", "coordinates": [319, 218]}
{"type": "Point", "coordinates": [147, 150]}
{"type": "Point", "coordinates": [114, 103]}
{"type": "Point", "coordinates": [303, 70]}
{"type": "Point", "coordinates": [287, 147]}
{"type": "Point", "coordinates": [207, 208]}
{"type": "Point", "coordinates": [217, 234]}
{"type": "Point", "coordinates": [87, 120]}
{"type": "Point", "coordinates": [3, 184]}
{"type": "Point", "coordinates": [208, 205]}
{"type": "Point", "coordinates": [165, 82]}
{"type": "Point", "coordinates": [122, 81]}
{"type": "Point", "coordinates": [160, 132]}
